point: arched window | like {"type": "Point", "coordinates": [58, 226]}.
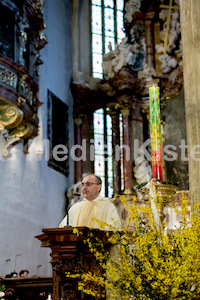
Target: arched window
{"type": "Point", "coordinates": [106, 29]}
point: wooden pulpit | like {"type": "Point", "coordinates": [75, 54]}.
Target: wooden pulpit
{"type": "Point", "coordinates": [67, 250]}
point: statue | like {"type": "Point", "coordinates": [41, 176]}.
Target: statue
{"type": "Point", "coordinates": [168, 63]}
{"type": "Point", "coordinates": [123, 55]}
{"type": "Point", "coordinates": [108, 62]}
{"type": "Point", "coordinates": [142, 170]}
{"type": "Point", "coordinates": [174, 31]}
{"type": "Point", "coordinates": [22, 26]}
{"type": "Point", "coordinates": [131, 7]}
{"type": "Point", "coordinates": [147, 73]}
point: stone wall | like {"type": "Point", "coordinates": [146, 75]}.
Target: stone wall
{"type": "Point", "coordinates": [174, 133]}
{"type": "Point", "coordinates": [32, 194]}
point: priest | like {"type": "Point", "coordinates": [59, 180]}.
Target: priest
{"type": "Point", "coordinates": [94, 211]}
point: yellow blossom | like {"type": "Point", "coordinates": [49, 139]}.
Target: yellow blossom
{"type": "Point", "coordinates": [146, 263]}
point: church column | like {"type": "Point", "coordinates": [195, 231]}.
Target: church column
{"type": "Point", "coordinates": [127, 166]}
{"type": "Point", "coordinates": [78, 165]}
{"type": "Point", "coordinates": [75, 35]}
{"type": "Point", "coordinates": [115, 141]}
{"type": "Point", "coordinates": [87, 135]}
{"type": "Point", "coordinates": [149, 39]}
{"type": "Point", "coordinates": [190, 24]}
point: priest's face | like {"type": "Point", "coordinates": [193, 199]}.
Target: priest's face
{"type": "Point", "coordinates": [90, 187]}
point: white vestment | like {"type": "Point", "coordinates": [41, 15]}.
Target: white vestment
{"type": "Point", "coordinates": [88, 213]}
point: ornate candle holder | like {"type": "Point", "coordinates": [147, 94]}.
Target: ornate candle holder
{"type": "Point", "coordinates": [164, 191]}
{"type": "Point", "coordinates": [159, 196]}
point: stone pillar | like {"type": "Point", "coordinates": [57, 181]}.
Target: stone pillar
{"type": "Point", "coordinates": [116, 163]}
{"type": "Point", "coordinates": [75, 35]}
{"type": "Point", "coordinates": [87, 135]}
{"type": "Point", "coordinates": [78, 165]}
{"type": "Point", "coordinates": [149, 39]}
{"type": "Point", "coordinates": [127, 166]}
{"type": "Point", "coordinates": [190, 24]}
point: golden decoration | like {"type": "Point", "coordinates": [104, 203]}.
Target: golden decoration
{"type": "Point", "coordinates": [10, 116]}
{"type": "Point", "coordinates": [164, 191]}
{"type": "Point", "coordinates": [10, 112]}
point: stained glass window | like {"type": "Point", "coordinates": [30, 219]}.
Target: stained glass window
{"type": "Point", "coordinates": [103, 150]}
{"type": "Point", "coordinates": [107, 30]}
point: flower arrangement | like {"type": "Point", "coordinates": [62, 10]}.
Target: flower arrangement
{"type": "Point", "coordinates": [144, 262]}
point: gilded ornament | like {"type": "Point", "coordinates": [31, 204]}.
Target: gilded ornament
{"type": "Point", "coordinates": [26, 90]}
{"type": "Point", "coordinates": [166, 191]}
{"type": "Point", "coordinates": [23, 77]}
{"type": "Point", "coordinates": [8, 77]}
{"type": "Point", "coordinates": [10, 112]}
{"type": "Point", "coordinates": [23, 130]}
{"type": "Point", "coordinates": [10, 115]}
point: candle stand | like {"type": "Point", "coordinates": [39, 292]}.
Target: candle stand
{"type": "Point", "coordinates": [161, 194]}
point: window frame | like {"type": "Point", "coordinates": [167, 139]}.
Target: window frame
{"type": "Point", "coordinates": [103, 36]}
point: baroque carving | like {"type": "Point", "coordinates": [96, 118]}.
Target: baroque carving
{"type": "Point", "coordinates": [171, 86]}
{"type": "Point", "coordinates": [126, 80]}
{"type": "Point", "coordinates": [8, 77]}
{"type": "Point", "coordinates": [131, 7]}
{"type": "Point", "coordinates": [169, 50]}
{"type": "Point", "coordinates": [10, 115]}
{"type": "Point", "coordinates": [136, 76]}
{"type": "Point", "coordinates": [18, 85]}
{"type": "Point", "coordinates": [125, 54]}
{"type": "Point", "coordinates": [26, 90]}
{"type": "Point", "coordinates": [22, 131]}
{"type": "Point", "coordinates": [69, 285]}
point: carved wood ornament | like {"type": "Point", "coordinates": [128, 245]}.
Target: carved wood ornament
{"type": "Point", "coordinates": [19, 74]}
{"type": "Point", "coordinates": [71, 254]}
